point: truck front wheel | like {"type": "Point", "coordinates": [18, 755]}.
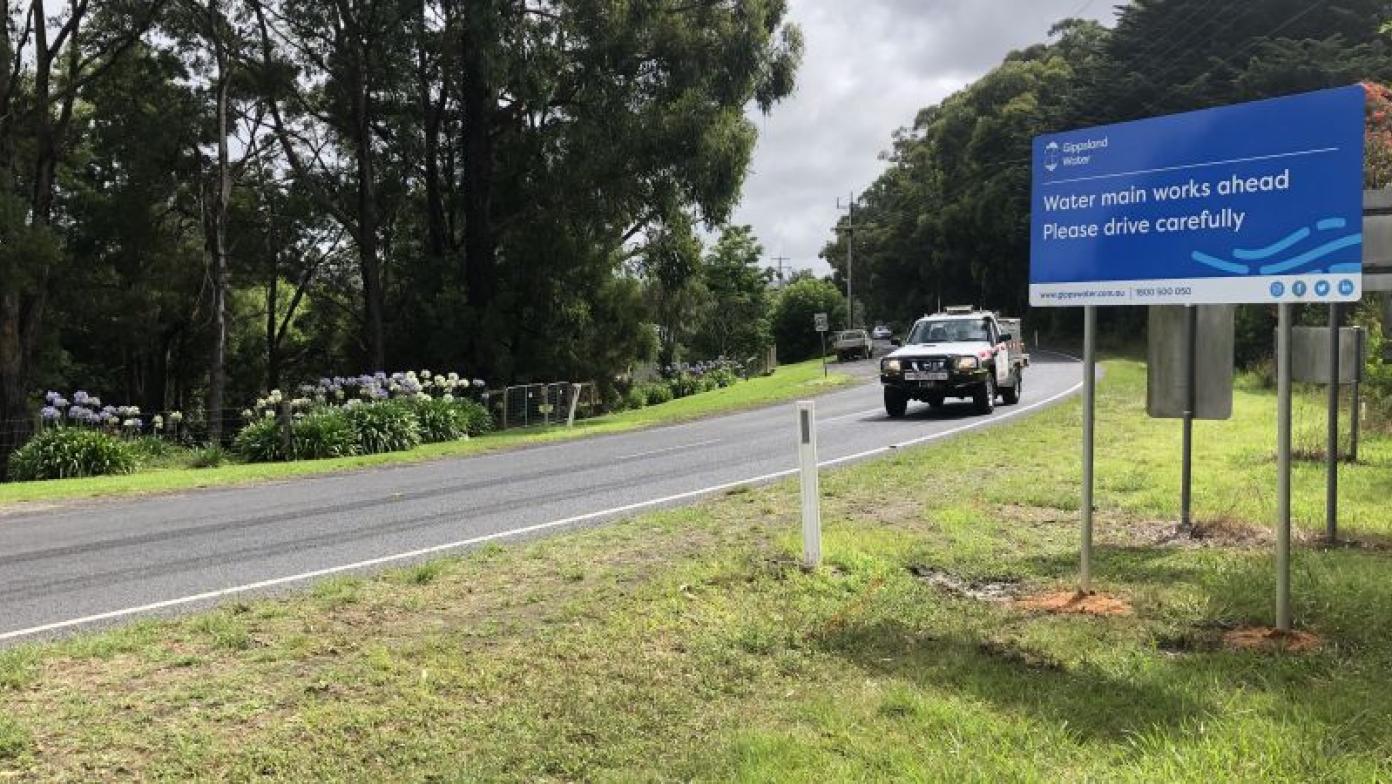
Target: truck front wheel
{"type": "Point", "coordinates": [895, 402]}
{"type": "Point", "coordinates": [985, 397]}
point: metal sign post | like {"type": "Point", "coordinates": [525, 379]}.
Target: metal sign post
{"type": "Point", "coordinates": [1355, 396]}
{"type": "Point", "coordinates": [822, 323]}
{"type": "Point", "coordinates": [1330, 355]}
{"type": "Point", "coordinates": [1089, 416]}
{"type": "Point", "coordinates": [1331, 487]}
{"type": "Point", "coordinates": [1191, 397]}
{"type": "Point", "coordinates": [1283, 458]}
{"type": "Point", "coordinates": [811, 491]}
{"type": "Point", "coordinates": [1189, 375]}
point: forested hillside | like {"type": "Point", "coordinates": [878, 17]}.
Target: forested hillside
{"type": "Point", "coordinates": [948, 221]}
{"type": "Point", "coordinates": [203, 199]}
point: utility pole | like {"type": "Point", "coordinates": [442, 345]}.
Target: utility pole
{"type": "Point", "coordinates": [850, 228]}
{"type": "Point", "coordinates": [780, 260]}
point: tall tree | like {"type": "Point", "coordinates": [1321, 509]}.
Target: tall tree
{"type": "Point", "coordinates": [46, 60]}
{"type": "Point", "coordinates": [735, 321]}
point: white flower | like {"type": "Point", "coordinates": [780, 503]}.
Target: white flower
{"type": "Point", "coordinates": [158, 422]}
{"type": "Point", "coordinates": [270, 414]}
{"type": "Point", "coordinates": [248, 414]}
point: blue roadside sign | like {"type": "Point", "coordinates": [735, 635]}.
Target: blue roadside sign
{"type": "Point", "coordinates": [1255, 202]}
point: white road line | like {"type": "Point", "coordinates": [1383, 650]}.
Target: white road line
{"type": "Point", "coordinates": [668, 449]}
{"type": "Point", "coordinates": [530, 529]}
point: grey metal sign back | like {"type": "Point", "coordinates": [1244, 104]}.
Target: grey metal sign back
{"type": "Point", "coordinates": [1167, 394]}
{"type": "Point", "coordinates": [1310, 354]}
{"type": "Point", "coordinates": [820, 322]}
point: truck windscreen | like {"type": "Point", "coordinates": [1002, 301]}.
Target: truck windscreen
{"type": "Point", "coordinates": [949, 331]}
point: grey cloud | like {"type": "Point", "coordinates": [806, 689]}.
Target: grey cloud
{"type": "Point", "coordinates": [870, 65]}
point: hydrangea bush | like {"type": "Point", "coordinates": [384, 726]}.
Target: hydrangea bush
{"type": "Point", "coordinates": [67, 452]}
{"type": "Point", "coordinates": [384, 412]}
{"type": "Point", "coordinates": [86, 410]}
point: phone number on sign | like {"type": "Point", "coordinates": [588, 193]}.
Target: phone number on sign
{"type": "Point", "coordinates": [1163, 291]}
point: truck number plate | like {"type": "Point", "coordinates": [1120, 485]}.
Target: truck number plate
{"type": "Point", "coordinates": [925, 376]}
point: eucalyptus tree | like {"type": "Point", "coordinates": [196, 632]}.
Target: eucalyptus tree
{"type": "Point", "coordinates": [48, 57]}
{"type": "Point", "coordinates": [330, 70]}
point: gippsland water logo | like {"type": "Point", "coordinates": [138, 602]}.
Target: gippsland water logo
{"type": "Point", "coordinates": [1051, 156]}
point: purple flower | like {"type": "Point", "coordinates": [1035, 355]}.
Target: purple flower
{"type": "Point", "coordinates": [49, 413]}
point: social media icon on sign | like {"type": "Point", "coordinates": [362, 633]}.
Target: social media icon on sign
{"type": "Point", "coordinates": [1346, 287]}
{"type": "Point", "coordinates": [1322, 288]}
{"type": "Point", "coordinates": [1278, 288]}
{"type": "Point", "coordinates": [1299, 288]}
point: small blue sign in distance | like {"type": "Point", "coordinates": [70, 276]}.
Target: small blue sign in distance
{"type": "Point", "coordinates": [1230, 205]}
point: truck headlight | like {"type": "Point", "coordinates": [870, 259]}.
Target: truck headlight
{"type": "Point", "coordinates": [890, 366]}
{"type": "Point", "coordinates": [967, 363]}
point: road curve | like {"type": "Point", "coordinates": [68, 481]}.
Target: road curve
{"type": "Point", "coordinates": [98, 563]}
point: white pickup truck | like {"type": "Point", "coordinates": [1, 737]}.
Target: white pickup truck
{"type": "Point", "coordinates": [853, 344]}
{"type": "Point", "coordinates": [959, 353]}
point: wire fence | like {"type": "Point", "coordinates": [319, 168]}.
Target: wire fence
{"type": "Point", "coordinates": [176, 427]}
{"type": "Point", "coordinates": [533, 405]}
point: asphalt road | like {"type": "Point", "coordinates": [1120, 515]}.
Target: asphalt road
{"type": "Point", "coordinates": [98, 563]}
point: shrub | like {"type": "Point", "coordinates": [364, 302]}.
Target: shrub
{"type": "Point", "coordinates": [706, 384]}
{"type": "Point", "coordinates": [658, 393]}
{"type": "Point", "coordinates": [148, 448]}
{"type": "Point", "coordinates": [723, 377]}
{"type": "Point", "coordinates": [259, 442]}
{"type": "Point", "coordinates": [637, 397]}
{"type": "Point", "coordinates": [477, 419]}
{"type": "Point", "coordinates": [321, 434]}
{"type": "Point", "coordinates": [683, 384]}
{"type": "Point", "coordinates": [64, 452]}
{"type": "Point", "coordinates": [389, 426]}
{"type": "Point", "coordinates": [209, 457]}
{"type": "Point", "coordinates": [441, 420]}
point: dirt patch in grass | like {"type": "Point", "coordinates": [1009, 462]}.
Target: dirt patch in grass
{"type": "Point", "coordinates": [1265, 638]}
{"type": "Point", "coordinates": [1036, 515]}
{"type": "Point", "coordinates": [1225, 534]}
{"type": "Point", "coordinates": [1075, 603]}
{"type": "Point", "coordinates": [992, 590]}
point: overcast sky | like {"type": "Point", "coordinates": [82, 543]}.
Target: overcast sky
{"type": "Point", "coordinates": [869, 66]}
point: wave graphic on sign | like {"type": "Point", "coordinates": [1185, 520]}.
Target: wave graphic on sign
{"type": "Point", "coordinates": [1308, 258]}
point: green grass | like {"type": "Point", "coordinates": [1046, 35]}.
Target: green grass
{"type": "Point", "coordinates": [165, 473]}
{"type": "Point", "coordinates": [688, 645]}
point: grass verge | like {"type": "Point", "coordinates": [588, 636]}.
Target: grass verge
{"type": "Point", "coordinates": [687, 645]}
{"type": "Point", "coordinates": [787, 383]}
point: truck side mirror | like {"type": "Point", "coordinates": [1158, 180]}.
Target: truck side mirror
{"type": "Point", "coordinates": [895, 342]}
{"type": "Point", "coordinates": [1006, 337]}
